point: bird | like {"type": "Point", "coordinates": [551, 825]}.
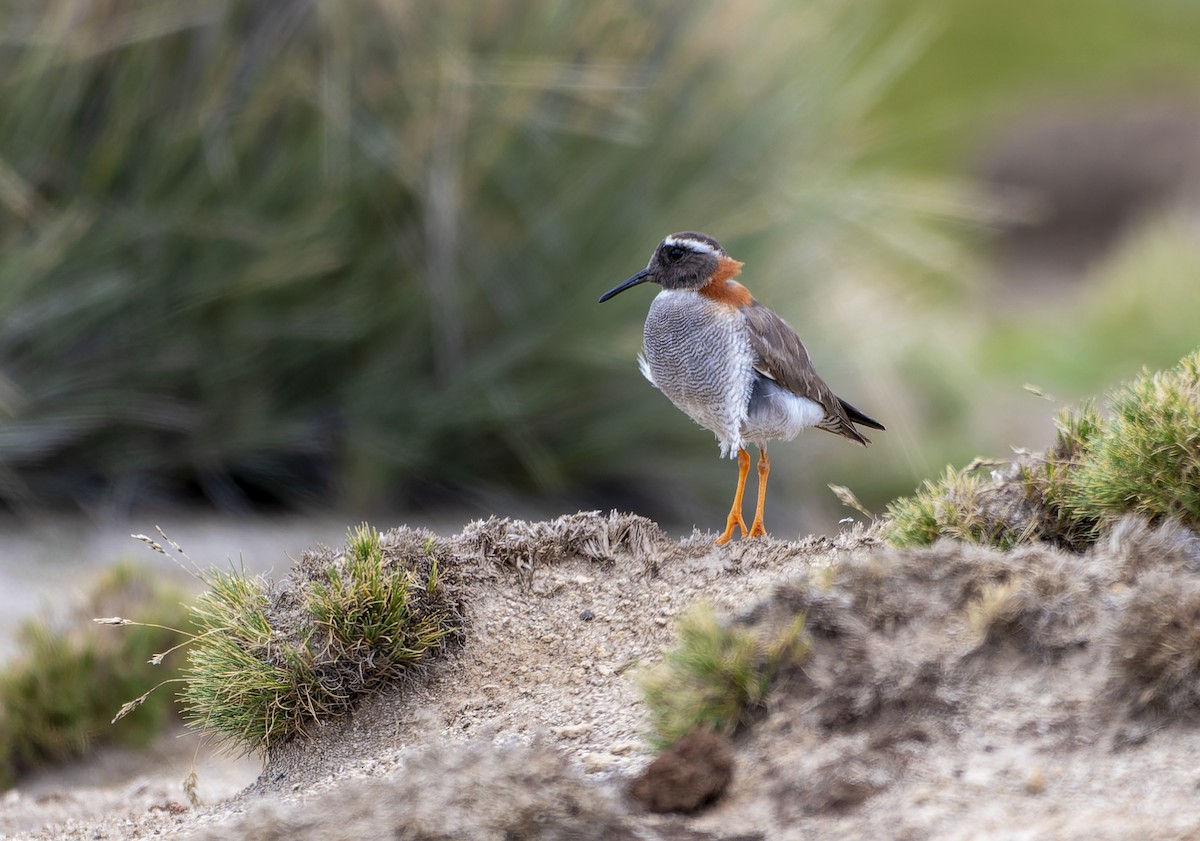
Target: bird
{"type": "Point", "coordinates": [731, 364]}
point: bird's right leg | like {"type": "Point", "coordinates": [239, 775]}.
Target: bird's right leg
{"type": "Point", "coordinates": [735, 513]}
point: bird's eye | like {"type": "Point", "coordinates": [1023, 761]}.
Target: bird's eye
{"type": "Point", "coordinates": [675, 252]}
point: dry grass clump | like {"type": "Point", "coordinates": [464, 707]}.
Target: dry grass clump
{"type": "Point", "coordinates": [58, 694]}
{"type": "Point", "coordinates": [1156, 645]}
{"type": "Point", "coordinates": [1154, 638]}
{"type": "Point", "coordinates": [266, 662]}
{"type": "Point", "coordinates": [1135, 545]}
{"type": "Point", "coordinates": [523, 546]}
{"type": "Point", "coordinates": [717, 675]}
{"type": "Point", "coordinates": [1034, 598]}
{"type": "Point", "coordinates": [997, 612]}
{"type": "Point", "coordinates": [1046, 606]}
{"type": "Point", "coordinates": [861, 665]}
{"type": "Point", "coordinates": [888, 589]}
{"type": "Point", "coordinates": [893, 633]}
{"type": "Point", "coordinates": [1144, 459]}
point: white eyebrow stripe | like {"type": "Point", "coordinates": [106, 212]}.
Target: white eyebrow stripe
{"type": "Point", "coordinates": [694, 244]}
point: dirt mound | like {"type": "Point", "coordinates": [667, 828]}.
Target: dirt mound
{"type": "Point", "coordinates": [963, 692]}
{"type": "Point", "coordinates": [560, 614]}
{"type": "Point", "coordinates": [949, 692]}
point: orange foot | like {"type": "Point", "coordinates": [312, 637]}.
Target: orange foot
{"type": "Point", "coordinates": [735, 520]}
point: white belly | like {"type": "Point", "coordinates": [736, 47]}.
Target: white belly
{"type": "Point", "coordinates": [775, 413]}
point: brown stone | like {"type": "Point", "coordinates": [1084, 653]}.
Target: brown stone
{"type": "Point", "coordinates": [692, 773]}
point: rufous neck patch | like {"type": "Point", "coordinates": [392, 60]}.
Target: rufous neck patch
{"type": "Point", "coordinates": [723, 288]}
{"type": "Point", "coordinates": [727, 268]}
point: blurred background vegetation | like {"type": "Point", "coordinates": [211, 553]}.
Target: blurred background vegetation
{"type": "Point", "coordinates": [296, 255]}
{"type": "Point", "coordinates": [59, 696]}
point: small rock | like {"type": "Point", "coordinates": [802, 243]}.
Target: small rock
{"type": "Point", "coordinates": [847, 782]}
{"type": "Point", "coordinates": [692, 773]}
{"type": "Point", "coordinates": [573, 731]}
{"type": "Point", "coordinates": [586, 615]}
{"type": "Point", "coordinates": [173, 807]}
{"type": "Point", "coordinates": [596, 762]}
{"type": "Point", "coordinates": [1035, 782]}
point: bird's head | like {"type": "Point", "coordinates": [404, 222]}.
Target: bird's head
{"type": "Point", "coordinates": [685, 260]}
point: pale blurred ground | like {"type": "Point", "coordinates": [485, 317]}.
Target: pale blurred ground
{"type": "Point", "coordinates": [47, 561]}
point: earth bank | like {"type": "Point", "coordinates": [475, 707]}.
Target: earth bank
{"type": "Point", "coordinates": [949, 692]}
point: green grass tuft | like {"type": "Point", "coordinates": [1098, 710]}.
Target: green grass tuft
{"type": "Point", "coordinates": [1143, 459]}
{"type": "Point", "coordinates": [963, 505]}
{"type": "Point", "coordinates": [233, 687]}
{"type": "Point", "coordinates": [367, 609]}
{"type": "Point", "coordinates": [1050, 479]}
{"type": "Point", "coordinates": [716, 676]}
{"type": "Point", "coordinates": [1148, 459]}
{"type": "Point", "coordinates": [58, 695]}
{"type": "Point", "coordinates": [267, 661]}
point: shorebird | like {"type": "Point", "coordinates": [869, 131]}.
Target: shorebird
{"type": "Point", "coordinates": [730, 364]}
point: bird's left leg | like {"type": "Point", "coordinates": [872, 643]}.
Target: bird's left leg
{"type": "Point", "coordinates": [764, 470]}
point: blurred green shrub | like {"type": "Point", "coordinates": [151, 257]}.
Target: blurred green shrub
{"type": "Point", "coordinates": [718, 675]}
{"type": "Point", "coordinates": [57, 696]}
{"type": "Point", "coordinates": [295, 251]}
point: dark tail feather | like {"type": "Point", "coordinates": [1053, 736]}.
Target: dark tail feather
{"type": "Point", "coordinates": [858, 417]}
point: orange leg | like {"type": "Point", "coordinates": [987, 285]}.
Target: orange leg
{"type": "Point", "coordinates": [764, 470]}
{"type": "Point", "coordinates": [735, 513]}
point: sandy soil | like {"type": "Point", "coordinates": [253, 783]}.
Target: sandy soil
{"type": "Point", "coordinates": [949, 693]}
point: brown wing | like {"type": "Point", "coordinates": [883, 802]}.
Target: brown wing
{"type": "Point", "coordinates": [783, 358]}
